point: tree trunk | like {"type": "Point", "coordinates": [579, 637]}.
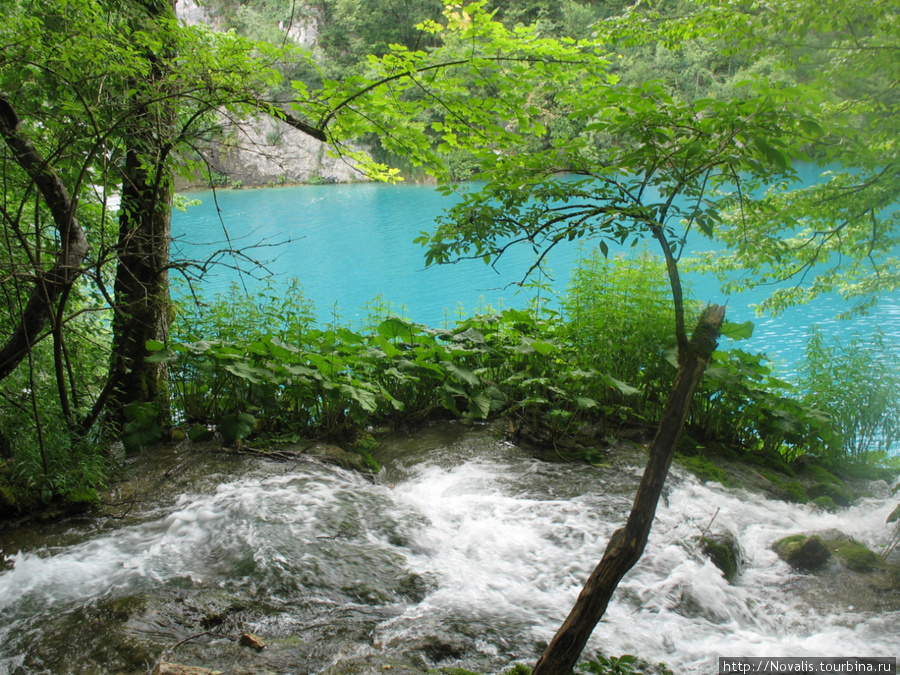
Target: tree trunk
{"type": "Point", "coordinates": [142, 301]}
{"type": "Point", "coordinates": [627, 544]}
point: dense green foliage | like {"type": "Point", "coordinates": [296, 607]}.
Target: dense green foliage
{"type": "Point", "coordinates": [651, 125]}
{"type": "Point", "coordinates": [857, 385]}
{"type": "Point", "coordinates": [560, 376]}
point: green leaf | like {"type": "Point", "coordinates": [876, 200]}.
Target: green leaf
{"type": "Point", "coordinates": [480, 405]}
{"type": "Point", "coordinates": [737, 331]}
{"type": "Point", "coordinates": [543, 348]}
{"type": "Point", "coordinates": [236, 427]}
{"type": "Point", "coordinates": [154, 346]}
{"type": "Point", "coordinates": [141, 428]}
{"type": "Point", "coordinates": [462, 374]}
{"type": "Point", "coordinates": [623, 387]}
{"type": "Point", "coordinates": [395, 328]}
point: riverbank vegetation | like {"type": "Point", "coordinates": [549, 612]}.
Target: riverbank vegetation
{"type": "Point", "coordinates": [567, 373]}
{"type": "Point", "coordinates": [594, 364]}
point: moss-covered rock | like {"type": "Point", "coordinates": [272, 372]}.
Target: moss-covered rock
{"type": "Point", "coordinates": [770, 461]}
{"type": "Point", "coordinates": [854, 555]}
{"type": "Point", "coordinates": [826, 503]}
{"type": "Point", "coordinates": [333, 454]}
{"type": "Point", "coordinates": [837, 493]}
{"type": "Point", "coordinates": [704, 469]}
{"type": "Point", "coordinates": [811, 552]}
{"type": "Point", "coordinates": [725, 553]}
{"type": "Point", "coordinates": [802, 551]}
{"type": "Point", "coordinates": [796, 492]}
{"type": "Point", "coordinates": [822, 475]}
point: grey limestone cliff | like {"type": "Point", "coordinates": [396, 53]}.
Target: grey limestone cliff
{"type": "Point", "coordinates": [264, 151]}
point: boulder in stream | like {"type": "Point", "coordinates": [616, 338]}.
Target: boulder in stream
{"type": "Point", "coordinates": [810, 552]}
{"type": "Point", "coordinates": [725, 553]}
{"type": "Point", "coordinates": [802, 551]}
{"type": "Point", "coordinates": [253, 641]}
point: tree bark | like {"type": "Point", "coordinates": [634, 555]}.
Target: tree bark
{"type": "Point", "coordinates": [142, 301]}
{"type": "Point", "coordinates": [50, 284]}
{"type": "Point", "coordinates": [627, 544]}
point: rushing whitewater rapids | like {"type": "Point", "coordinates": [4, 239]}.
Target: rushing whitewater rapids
{"type": "Point", "coordinates": [464, 552]}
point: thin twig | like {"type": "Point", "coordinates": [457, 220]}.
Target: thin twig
{"type": "Point", "coordinates": [705, 531]}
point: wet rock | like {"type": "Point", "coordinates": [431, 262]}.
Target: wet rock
{"type": "Point", "coordinates": [854, 555]}
{"type": "Point", "coordinates": [724, 551]}
{"type": "Point", "coordinates": [253, 641]}
{"type": "Point", "coordinates": [213, 607]}
{"type": "Point", "coordinates": [178, 669]}
{"type": "Point", "coordinates": [374, 664]}
{"type": "Point", "coordinates": [444, 646]}
{"type": "Point", "coordinates": [825, 503]}
{"type": "Point", "coordinates": [802, 551]}
{"type": "Point", "coordinates": [332, 454]}
{"type": "Point", "coordinates": [838, 494]}
{"type": "Point", "coordinates": [880, 489]}
{"type": "Point", "coordinates": [414, 586]}
{"type": "Point", "coordinates": [811, 552]}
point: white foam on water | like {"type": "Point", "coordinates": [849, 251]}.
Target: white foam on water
{"type": "Point", "coordinates": [514, 561]}
{"type": "Point", "coordinates": [505, 548]}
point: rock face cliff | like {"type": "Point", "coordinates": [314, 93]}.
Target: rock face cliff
{"type": "Point", "coordinates": [263, 151]}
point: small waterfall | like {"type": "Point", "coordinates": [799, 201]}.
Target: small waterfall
{"type": "Point", "coordinates": [470, 554]}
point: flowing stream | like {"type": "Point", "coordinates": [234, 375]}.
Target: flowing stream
{"type": "Point", "coordinates": [464, 551]}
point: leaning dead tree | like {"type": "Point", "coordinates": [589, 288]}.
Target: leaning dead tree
{"type": "Point", "coordinates": [627, 544]}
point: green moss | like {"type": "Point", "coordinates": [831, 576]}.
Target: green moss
{"type": "Point", "coordinates": [724, 554]}
{"type": "Point", "coordinates": [789, 541]}
{"type": "Point", "coordinates": [838, 494]}
{"type": "Point", "coordinates": [823, 476]}
{"type": "Point", "coordinates": [770, 475]}
{"type": "Point", "coordinates": [704, 469]}
{"type": "Point", "coordinates": [519, 669]}
{"type": "Point", "coordinates": [826, 503]}
{"type": "Point", "coordinates": [855, 555]}
{"type": "Point", "coordinates": [770, 462]}
{"type": "Point", "coordinates": [796, 492]}
{"type": "Point", "coordinates": [7, 497]}
{"type": "Point", "coordinates": [802, 551]}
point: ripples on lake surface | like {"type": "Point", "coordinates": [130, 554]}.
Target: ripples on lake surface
{"type": "Point", "coordinates": [464, 552]}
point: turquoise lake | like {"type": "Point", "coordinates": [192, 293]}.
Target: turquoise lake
{"type": "Point", "coordinates": [347, 244]}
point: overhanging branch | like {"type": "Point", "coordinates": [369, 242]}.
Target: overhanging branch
{"type": "Point", "coordinates": [48, 285]}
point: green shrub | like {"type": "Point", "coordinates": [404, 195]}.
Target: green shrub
{"type": "Point", "coordinates": [620, 322]}
{"type": "Point", "coordinates": [742, 402]}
